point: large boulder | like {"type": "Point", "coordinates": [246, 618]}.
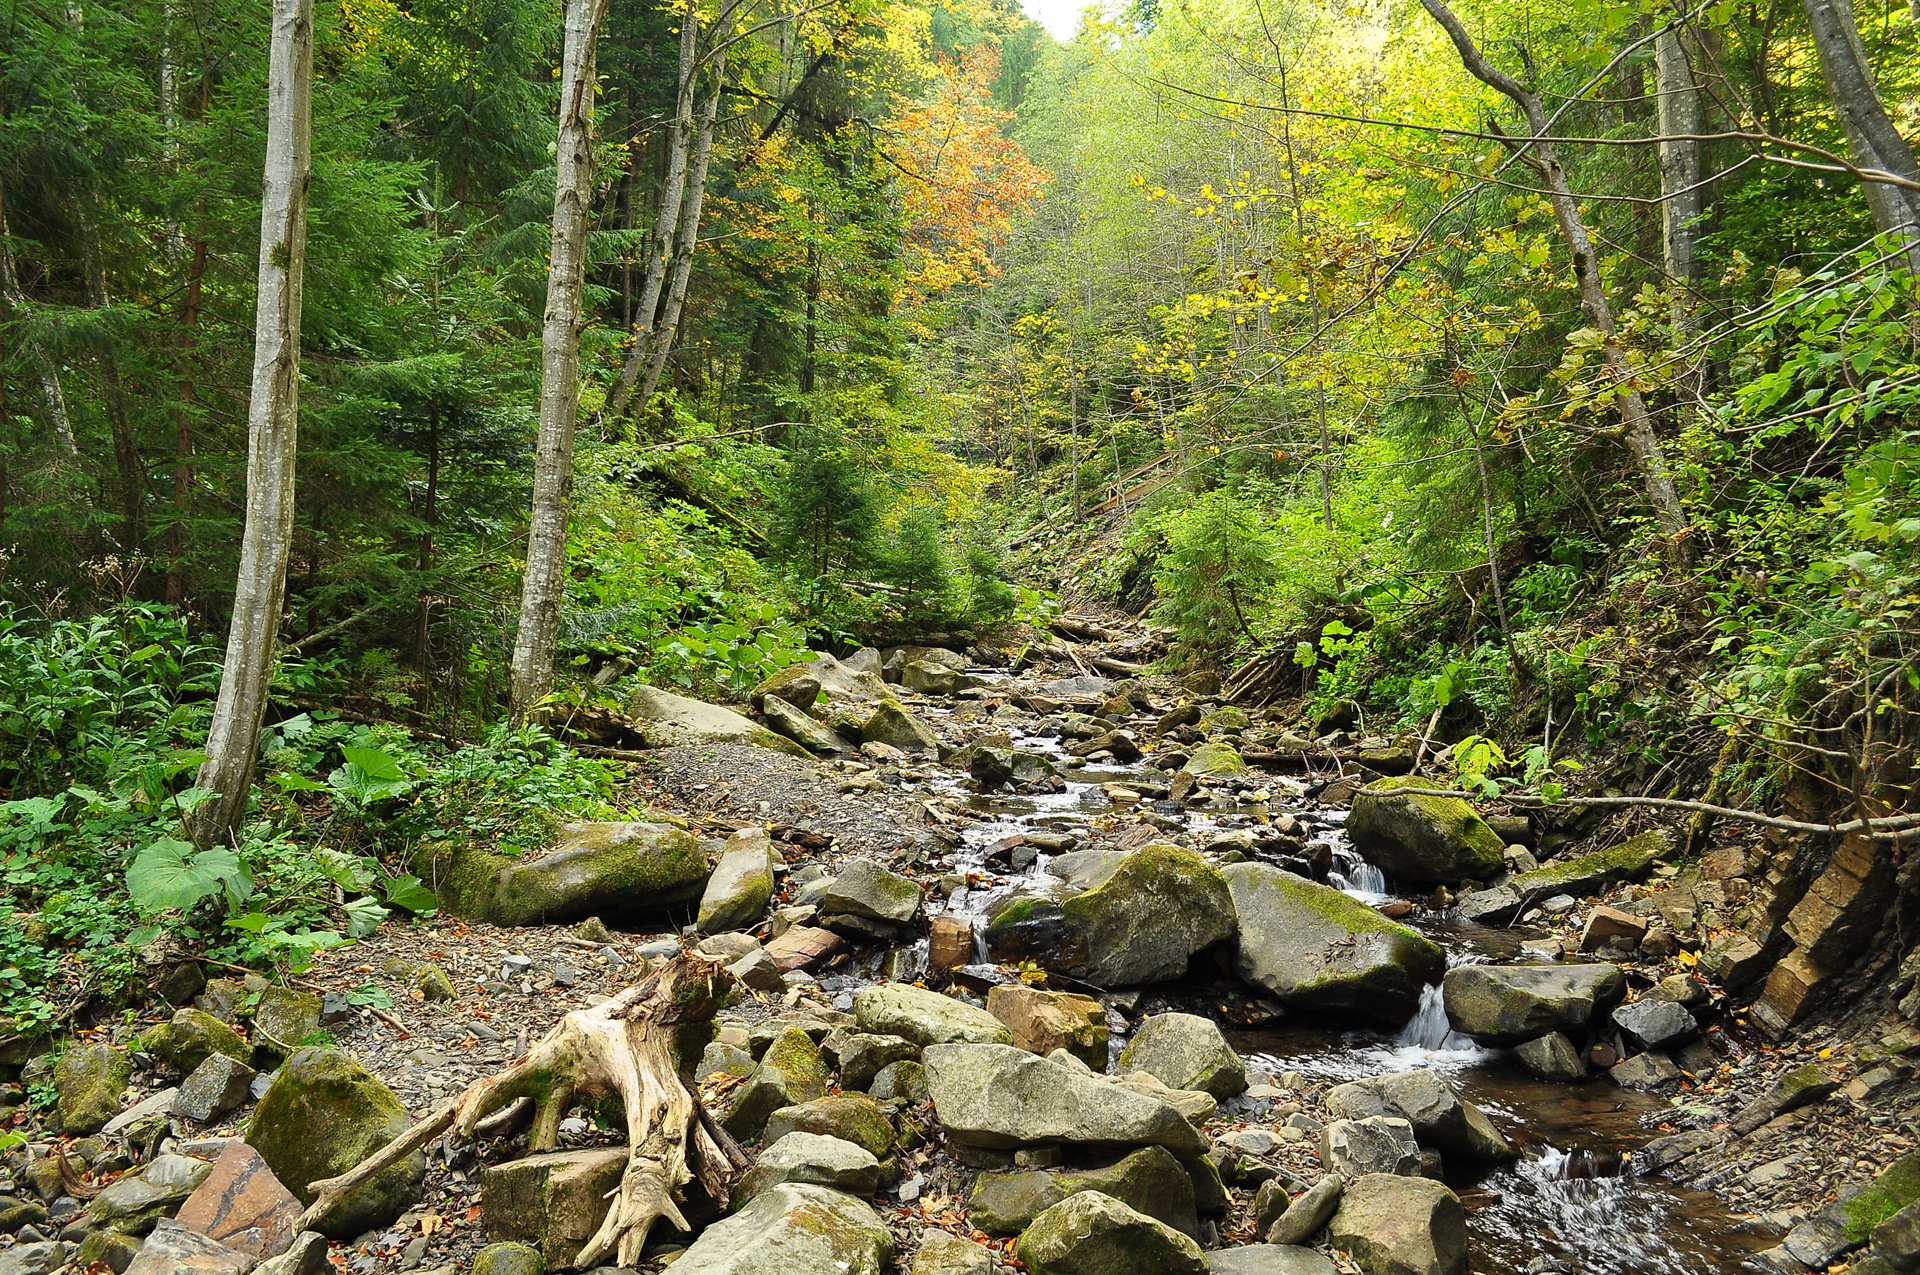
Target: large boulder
{"type": "Point", "coordinates": [1000, 1097]}
{"type": "Point", "coordinates": [1147, 921]}
{"type": "Point", "coordinates": [791, 723]}
{"type": "Point", "coordinates": [1506, 1005]}
{"type": "Point", "coordinates": [1150, 1180]}
{"type": "Point", "coordinates": [243, 1205]}
{"type": "Point", "coordinates": [850, 1117]}
{"type": "Point", "coordinates": [1313, 946]}
{"type": "Point", "coordinates": [1185, 1051]}
{"type": "Point", "coordinates": [801, 685]}
{"type": "Point", "coordinates": [924, 1017]}
{"type": "Point", "coordinates": [1656, 1024]}
{"type": "Point", "coordinates": [862, 888]}
{"type": "Point", "coordinates": [811, 1158]}
{"type": "Point", "coordinates": [172, 1249]}
{"type": "Point", "coordinates": [790, 1229]}
{"type": "Point", "coordinates": [594, 869]}
{"type": "Point", "coordinates": [1269, 1259]}
{"type": "Point", "coordinates": [1428, 840]}
{"type": "Point", "coordinates": [1095, 1234]}
{"type": "Point", "coordinates": [1377, 1144]}
{"type": "Point", "coordinates": [557, 1199]}
{"type": "Point", "coordinates": [742, 883]}
{"type": "Point", "coordinates": [323, 1114]}
{"type": "Point", "coordinates": [1439, 1116]}
{"type": "Point", "coordinates": [1393, 1225]}
{"type": "Point", "coordinates": [889, 723]}
{"type": "Point", "coordinates": [665, 720]}
{"type": "Point", "coordinates": [190, 1038]}
{"type": "Point", "coordinates": [88, 1081]}
{"type": "Point", "coordinates": [790, 1072]}
{"type": "Point", "coordinates": [1586, 874]}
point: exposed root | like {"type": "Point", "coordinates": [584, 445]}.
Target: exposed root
{"type": "Point", "coordinates": [626, 1046]}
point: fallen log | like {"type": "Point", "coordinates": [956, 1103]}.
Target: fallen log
{"type": "Point", "coordinates": [627, 1046]}
{"type": "Point", "coordinates": [1119, 668]}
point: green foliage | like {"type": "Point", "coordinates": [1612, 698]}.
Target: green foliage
{"type": "Point", "coordinates": [1216, 577]}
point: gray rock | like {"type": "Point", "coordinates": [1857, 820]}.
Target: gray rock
{"type": "Point", "coordinates": [889, 723]}
{"type": "Point", "coordinates": [1150, 1181]}
{"type": "Point", "coordinates": [1551, 1057]}
{"type": "Point", "coordinates": [1440, 1117]}
{"type": "Point", "coordinates": [1095, 1234]}
{"type": "Point", "coordinates": [216, 1087]}
{"type": "Point", "coordinates": [850, 1117]}
{"type": "Point", "coordinates": [282, 1019]}
{"type": "Point", "coordinates": [859, 1056]}
{"type": "Point", "coordinates": [811, 1158]}
{"type": "Point", "coordinates": [1498, 906]}
{"type": "Point", "coordinates": [1393, 1225]}
{"type": "Point", "coordinates": [793, 1228]}
{"type": "Point", "coordinates": [174, 1250]}
{"type": "Point", "coordinates": [1185, 1051]}
{"type": "Point", "coordinates": [1149, 919]}
{"type": "Point", "coordinates": [924, 1017]}
{"type": "Point", "coordinates": [1656, 1024]}
{"type": "Point", "coordinates": [1268, 1259]}
{"type": "Point", "coordinates": [306, 1256]}
{"type": "Point", "coordinates": [665, 720]}
{"type": "Point", "coordinates": [1647, 1071]}
{"type": "Point", "coordinates": [555, 1199]}
{"type": "Point", "coordinates": [905, 1081]}
{"type": "Point", "coordinates": [791, 1071]}
{"type": "Point", "coordinates": [137, 1201]}
{"type": "Point", "coordinates": [1378, 1144]}
{"type": "Point", "coordinates": [34, 1259]}
{"type": "Point", "coordinates": [1429, 840]}
{"type": "Point", "coordinates": [1312, 946]}
{"type": "Point", "coordinates": [190, 1037]}
{"type": "Point", "coordinates": [742, 883]}
{"type": "Point", "coordinates": [596, 869]}
{"type": "Point", "coordinates": [1000, 767]}
{"type": "Point", "coordinates": [1303, 1218]}
{"type": "Point", "coordinates": [508, 1258]}
{"type": "Point", "coordinates": [863, 888]}
{"type": "Point", "coordinates": [1504, 1005]}
{"type": "Point", "coordinates": [1000, 1097]}
{"type": "Point", "coordinates": [794, 724]}
{"type": "Point", "coordinates": [944, 1253]}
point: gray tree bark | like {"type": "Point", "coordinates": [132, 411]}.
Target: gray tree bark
{"type": "Point", "coordinates": [1682, 198]}
{"type": "Point", "coordinates": [688, 238]}
{"type": "Point", "coordinates": [273, 419]}
{"type": "Point", "coordinates": [1636, 424]}
{"type": "Point", "coordinates": [1873, 143]}
{"type": "Point", "coordinates": [541, 591]}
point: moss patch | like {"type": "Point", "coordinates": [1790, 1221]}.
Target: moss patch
{"type": "Point", "coordinates": [1896, 1187]}
{"type": "Point", "coordinates": [1583, 874]}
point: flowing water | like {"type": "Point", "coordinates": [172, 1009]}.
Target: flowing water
{"type": "Point", "coordinates": [1571, 1203]}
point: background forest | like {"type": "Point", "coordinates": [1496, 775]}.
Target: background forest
{"type": "Point", "coordinates": [1265, 318]}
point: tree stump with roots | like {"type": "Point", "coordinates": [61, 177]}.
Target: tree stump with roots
{"type": "Point", "coordinates": [629, 1046]}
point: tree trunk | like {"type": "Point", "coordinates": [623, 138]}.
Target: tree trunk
{"type": "Point", "coordinates": [1681, 197]}
{"type": "Point", "coordinates": [183, 430]}
{"type": "Point", "coordinates": [531, 674]}
{"type": "Point", "coordinates": [1637, 426]}
{"type": "Point", "coordinates": [126, 453]}
{"type": "Point", "coordinates": [666, 224]}
{"type": "Point", "coordinates": [15, 299]}
{"type": "Point", "coordinates": [689, 239]}
{"type": "Point", "coordinates": [626, 1047]}
{"type": "Point", "coordinates": [272, 429]}
{"type": "Point", "coordinates": [1872, 141]}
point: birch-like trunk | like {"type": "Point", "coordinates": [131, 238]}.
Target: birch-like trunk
{"type": "Point", "coordinates": [531, 673]}
{"type": "Point", "coordinates": [1873, 143]}
{"type": "Point", "coordinates": [44, 368]}
{"type": "Point", "coordinates": [666, 223]}
{"type": "Point", "coordinates": [1682, 199]}
{"type": "Point", "coordinates": [688, 240]}
{"type": "Point", "coordinates": [272, 429]}
{"type": "Point", "coordinates": [1636, 424]}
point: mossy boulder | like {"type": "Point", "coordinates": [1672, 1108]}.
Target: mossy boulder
{"type": "Point", "coordinates": [191, 1037]}
{"type": "Point", "coordinates": [1147, 921]}
{"type": "Point", "coordinates": [508, 1258]}
{"type": "Point", "coordinates": [850, 1117]}
{"type": "Point", "coordinates": [665, 720]}
{"type": "Point", "coordinates": [323, 1114]}
{"type": "Point", "coordinates": [1095, 1234]}
{"type": "Point", "coordinates": [1422, 839]}
{"type": "Point", "coordinates": [621, 869]}
{"type": "Point", "coordinates": [135, 1203]}
{"type": "Point", "coordinates": [792, 1228]}
{"type": "Point", "coordinates": [1585, 874]}
{"type": "Point", "coordinates": [88, 1081]}
{"type": "Point", "coordinates": [1315, 947]}
{"type": "Point", "coordinates": [890, 723]}
{"type": "Point", "coordinates": [737, 893]}
{"type": "Point", "coordinates": [1150, 1181]}
{"type": "Point", "coordinates": [790, 1072]}
{"type": "Point", "coordinates": [925, 1017]}
{"type": "Point", "coordinates": [282, 1019]}
{"type": "Point", "coordinates": [1897, 1187]}
{"type": "Point", "coordinates": [813, 1158]}
{"type": "Point", "coordinates": [1213, 761]}
{"type": "Point", "coordinates": [1506, 1005]}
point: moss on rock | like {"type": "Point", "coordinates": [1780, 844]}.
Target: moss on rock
{"type": "Point", "coordinates": [1420, 838]}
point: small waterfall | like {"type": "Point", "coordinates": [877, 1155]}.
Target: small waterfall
{"type": "Point", "coordinates": [1357, 876]}
{"type": "Point", "coordinates": [1429, 1029]}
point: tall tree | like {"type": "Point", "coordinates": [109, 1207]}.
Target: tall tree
{"type": "Point", "coordinates": [541, 591]}
{"type": "Point", "coordinates": [273, 420]}
{"type": "Point", "coordinates": [1636, 423]}
{"type": "Point", "coordinates": [1874, 144]}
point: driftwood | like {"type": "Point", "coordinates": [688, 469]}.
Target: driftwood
{"type": "Point", "coordinates": [627, 1046]}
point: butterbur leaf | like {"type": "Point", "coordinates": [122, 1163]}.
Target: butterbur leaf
{"type": "Point", "coordinates": [364, 916]}
{"type": "Point", "coordinates": [287, 781]}
{"type": "Point", "coordinates": [412, 894]}
{"type": "Point", "coordinates": [371, 995]}
{"type": "Point", "coordinates": [172, 874]}
{"type": "Point", "coordinates": [375, 763]}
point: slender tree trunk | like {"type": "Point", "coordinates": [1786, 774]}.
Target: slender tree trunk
{"type": "Point", "coordinates": [272, 429]}
{"type": "Point", "coordinates": [531, 674]}
{"type": "Point", "coordinates": [1873, 142]}
{"type": "Point", "coordinates": [688, 240]}
{"type": "Point", "coordinates": [183, 431]}
{"type": "Point", "coordinates": [1637, 425]}
{"type": "Point", "coordinates": [18, 306]}
{"type": "Point", "coordinates": [1300, 227]}
{"type": "Point", "coordinates": [1681, 198]}
{"type": "Point", "coordinates": [666, 224]}
{"type": "Point", "coordinates": [126, 453]}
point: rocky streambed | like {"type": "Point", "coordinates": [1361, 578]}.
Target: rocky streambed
{"type": "Point", "coordinates": [1089, 975]}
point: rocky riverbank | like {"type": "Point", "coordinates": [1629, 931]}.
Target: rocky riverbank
{"type": "Point", "coordinates": [1024, 956]}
